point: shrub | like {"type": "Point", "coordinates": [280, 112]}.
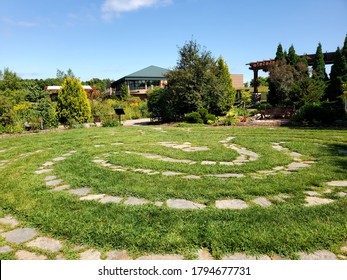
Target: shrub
{"type": "Point", "coordinates": [210, 118]}
{"type": "Point", "coordinates": [193, 117]}
{"type": "Point", "coordinates": [72, 102]}
{"type": "Point", "coordinates": [110, 122]}
{"type": "Point", "coordinates": [325, 113]}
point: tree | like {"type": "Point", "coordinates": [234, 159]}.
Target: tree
{"type": "Point", "coordinates": [338, 75]}
{"type": "Point", "coordinates": [281, 82]}
{"type": "Point", "coordinates": [292, 58]}
{"type": "Point", "coordinates": [124, 92]}
{"type": "Point", "coordinates": [222, 95]}
{"type": "Point", "coordinates": [319, 65]}
{"type": "Point", "coordinates": [279, 52]}
{"type": "Point", "coordinates": [199, 81]}
{"type": "Point", "coordinates": [73, 104]}
{"type": "Point", "coordinates": [10, 81]}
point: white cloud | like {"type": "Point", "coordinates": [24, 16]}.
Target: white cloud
{"type": "Point", "coordinates": [117, 7]}
{"type": "Point", "coordinates": [25, 24]}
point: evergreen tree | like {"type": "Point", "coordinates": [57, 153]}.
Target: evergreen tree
{"type": "Point", "coordinates": [292, 57]}
{"type": "Point", "coordinates": [319, 65]}
{"type": "Point", "coordinates": [279, 52]}
{"type": "Point", "coordinates": [338, 76]}
{"type": "Point", "coordinates": [73, 104]}
{"type": "Point", "coordinates": [222, 95]}
{"type": "Point", "coordinates": [124, 92]}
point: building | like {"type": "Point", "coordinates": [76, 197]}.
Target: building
{"type": "Point", "coordinates": [53, 91]}
{"type": "Point", "coordinates": [237, 81]}
{"type": "Point", "coordinates": [140, 82]}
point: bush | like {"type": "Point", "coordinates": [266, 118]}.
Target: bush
{"type": "Point", "coordinates": [73, 102]}
{"type": "Point", "coordinates": [193, 117]}
{"type": "Point", "coordinates": [110, 122]}
{"type": "Point", "coordinates": [210, 118]}
{"type": "Point", "coordinates": [317, 114]}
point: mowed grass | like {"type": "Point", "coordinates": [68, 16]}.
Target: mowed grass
{"type": "Point", "coordinates": [284, 229]}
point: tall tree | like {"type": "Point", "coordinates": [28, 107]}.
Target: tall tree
{"type": "Point", "coordinates": [292, 56]}
{"type": "Point", "coordinates": [279, 52]}
{"type": "Point", "coordinates": [319, 65]}
{"type": "Point", "coordinates": [222, 94]}
{"type": "Point", "coordinates": [73, 104]}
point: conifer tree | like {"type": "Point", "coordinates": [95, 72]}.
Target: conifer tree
{"type": "Point", "coordinates": [319, 65]}
{"type": "Point", "coordinates": [73, 104]}
{"type": "Point", "coordinates": [279, 52]}
{"type": "Point", "coordinates": [292, 57]}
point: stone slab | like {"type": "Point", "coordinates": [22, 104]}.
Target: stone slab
{"type": "Point", "coordinates": [53, 183]}
{"type": "Point", "coordinates": [135, 201]}
{"type": "Point", "coordinates": [318, 255]}
{"type": "Point", "coordinates": [239, 256]}
{"type": "Point", "coordinates": [46, 243]}
{"type": "Point", "coordinates": [204, 254]}
{"type": "Point", "coordinates": [344, 249]}
{"type": "Point", "coordinates": [92, 197]}
{"type": "Point", "coordinates": [161, 257]}
{"type": "Point", "coordinates": [50, 178]}
{"type": "Point", "coordinates": [313, 201]}
{"type": "Point", "coordinates": [297, 165]}
{"type": "Point", "coordinates": [183, 204]}
{"type": "Point", "coordinates": [118, 255]}
{"type": "Point", "coordinates": [61, 188]}
{"type": "Point", "coordinates": [208, 162]}
{"type": "Point", "coordinates": [262, 201]}
{"type": "Point", "coordinates": [312, 193]}
{"type": "Point", "coordinates": [80, 192]}
{"type": "Point", "coordinates": [90, 254]}
{"type": "Point", "coordinates": [337, 183]}
{"type": "Point", "coordinates": [9, 220]}
{"type": "Point", "coordinates": [41, 171]}
{"type": "Point", "coordinates": [192, 177]}
{"type": "Point", "coordinates": [58, 158]}
{"type": "Point", "coordinates": [110, 199]}
{"type": "Point", "coordinates": [19, 235]}
{"type": "Point", "coordinates": [48, 163]}
{"type": "Point", "coordinates": [227, 175]}
{"type": "Point", "coordinates": [5, 249]}
{"type": "Point", "coordinates": [25, 255]}
{"type": "Point", "coordinates": [231, 204]}
{"type": "Point", "coordinates": [171, 173]}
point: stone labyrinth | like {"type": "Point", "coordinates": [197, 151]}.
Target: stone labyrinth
{"type": "Point", "coordinates": [245, 156]}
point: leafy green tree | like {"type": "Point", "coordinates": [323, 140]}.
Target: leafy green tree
{"type": "Point", "coordinates": [319, 65]}
{"type": "Point", "coordinates": [160, 105]}
{"type": "Point", "coordinates": [10, 81]}
{"type": "Point", "coordinates": [222, 94]}
{"type": "Point", "coordinates": [199, 81]}
{"type": "Point", "coordinates": [73, 104]}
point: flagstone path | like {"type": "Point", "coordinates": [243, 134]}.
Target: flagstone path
{"type": "Point", "coordinates": [35, 246]}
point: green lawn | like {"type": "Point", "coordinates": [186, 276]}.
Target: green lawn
{"type": "Point", "coordinates": [285, 228]}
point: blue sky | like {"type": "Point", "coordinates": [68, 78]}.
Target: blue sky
{"type": "Point", "coordinates": [113, 38]}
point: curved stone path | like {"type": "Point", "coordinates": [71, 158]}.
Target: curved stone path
{"type": "Point", "coordinates": [35, 246]}
{"type": "Point", "coordinates": [313, 198]}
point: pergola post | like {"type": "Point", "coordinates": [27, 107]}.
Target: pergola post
{"type": "Point", "coordinates": [255, 80]}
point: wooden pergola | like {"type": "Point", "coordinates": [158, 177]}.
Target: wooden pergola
{"type": "Point", "coordinates": [265, 64]}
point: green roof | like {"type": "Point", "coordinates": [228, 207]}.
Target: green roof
{"type": "Point", "coordinates": [148, 73]}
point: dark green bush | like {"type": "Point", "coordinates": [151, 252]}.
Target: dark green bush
{"type": "Point", "coordinates": [193, 117]}
{"type": "Point", "coordinates": [317, 114]}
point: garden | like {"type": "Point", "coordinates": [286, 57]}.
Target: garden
{"type": "Point", "coordinates": [267, 193]}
